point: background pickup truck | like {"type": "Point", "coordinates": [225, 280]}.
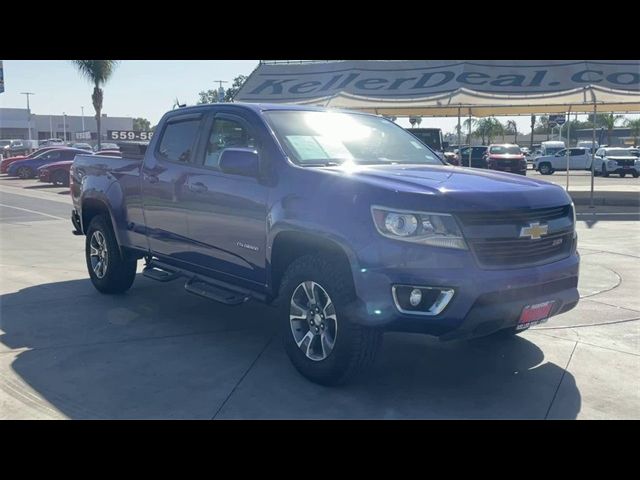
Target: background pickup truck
{"type": "Point", "coordinates": [579, 159]}
{"type": "Point", "coordinates": [345, 222]}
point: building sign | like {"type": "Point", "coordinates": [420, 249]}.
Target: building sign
{"type": "Point", "coordinates": [1, 77]}
{"type": "Point", "coordinates": [129, 135]}
{"type": "Point", "coordinates": [83, 135]}
{"type": "Point", "coordinates": [555, 120]}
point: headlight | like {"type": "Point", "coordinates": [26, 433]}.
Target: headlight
{"type": "Point", "coordinates": [612, 163]}
{"type": "Point", "coordinates": [435, 229]}
{"type": "Point", "coordinates": [573, 211]}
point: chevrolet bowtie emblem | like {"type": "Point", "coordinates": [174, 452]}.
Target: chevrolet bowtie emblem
{"type": "Point", "coordinates": [535, 231]}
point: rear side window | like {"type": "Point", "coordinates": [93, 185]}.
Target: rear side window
{"type": "Point", "coordinates": [178, 141]}
{"type": "Point", "coordinates": [52, 156]}
{"type": "Point", "coordinates": [577, 151]}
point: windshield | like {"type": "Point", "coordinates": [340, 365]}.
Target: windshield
{"type": "Point", "coordinates": [618, 152]}
{"type": "Point", "coordinates": [331, 138]}
{"type": "Point", "coordinates": [4, 143]}
{"type": "Point", "coordinates": [505, 150]}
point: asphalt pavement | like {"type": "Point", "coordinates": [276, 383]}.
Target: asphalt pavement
{"type": "Point", "coordinates": [66, 351]}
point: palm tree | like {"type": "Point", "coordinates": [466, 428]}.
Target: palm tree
{"type": "Point", "coordinates": [533, 126]}
{"type": "Point", "coordinates": [97, 72]}
{"type": "Point", "coordinates": [469, 124]}
{"type": "Point", "coordinates": [512, 127]}
{"type": "Point", "coordinates": [634, 125]}
{"type": "Point", "coordinates": [609, 121]}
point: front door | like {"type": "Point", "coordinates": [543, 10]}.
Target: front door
{"type": "Point", "coordinates": [227, 218]}
{"type": "Point", "coordinates": [163, 186]}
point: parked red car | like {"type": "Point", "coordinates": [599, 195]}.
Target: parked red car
{"type": "Point", "coordinates": [4, 165]}
{"type": "Point", "coordinates": [506, 158]}
{"type": "Point", "coordinates": [58, 172]}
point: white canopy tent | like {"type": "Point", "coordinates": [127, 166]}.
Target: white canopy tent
{"type": "Point", "coordinates": [451, 88]}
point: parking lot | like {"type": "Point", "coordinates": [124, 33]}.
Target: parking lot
{"type": "Point", "coordinates": [67, 351]}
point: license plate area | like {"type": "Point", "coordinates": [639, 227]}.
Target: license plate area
{"type": "Point", "coordinates": [535, 314]}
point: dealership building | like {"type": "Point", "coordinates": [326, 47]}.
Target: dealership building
{"type": "Point", "coordinates": [15, 124]}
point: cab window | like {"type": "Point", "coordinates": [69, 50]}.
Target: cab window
{"type": "Point", "coordinates": [226, 133]}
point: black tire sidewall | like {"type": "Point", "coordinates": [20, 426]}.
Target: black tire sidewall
{"type": "Point", "coordinates": [25, 173]}
{"type": "Point", "coordinates": [120, 272]}
{"type": "Point", "coordinates": [332, 370]}
{"type": "Point", "coordinates": [59, 178]}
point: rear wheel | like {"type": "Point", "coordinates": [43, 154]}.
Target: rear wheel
{"type": "Point", "coordinates": [60, 177]}
{"type": "Point", "coordinates": [110, 272]}
{"type": "Point", "coordinates": [322, 343]}
{"type": "Point", "coordinates": [635, 174]}
{"type": "Point", "coordinates": [545, 169]}
{"type": "Point", "coordinates": [25, 172]}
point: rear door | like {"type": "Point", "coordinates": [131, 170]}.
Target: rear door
{"type": "Point", "coordinates": [228, 213]}
{"type": "Point", "coordinates": [578, 158]}
{"type": "Point", "coordinates": [163, 186]}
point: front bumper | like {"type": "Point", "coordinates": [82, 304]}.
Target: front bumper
{"type": "Point", "coordinates": [624, 169]}
{"type": "Point", "coordinates": [484, 300]}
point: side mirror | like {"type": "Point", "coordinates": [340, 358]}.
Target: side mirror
{"type": "Point", "coordinates": [239, 161]}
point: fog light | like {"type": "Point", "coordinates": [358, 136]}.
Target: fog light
{"type": "Point", "coordinates": [415, 297]}
{"type": "Point", "coordinates": [421, 300]}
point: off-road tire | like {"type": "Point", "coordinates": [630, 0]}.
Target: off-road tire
{"type": "Point", "coordinates": [355, 345]}
{"type": "Point", "coordinates": [120, 272]}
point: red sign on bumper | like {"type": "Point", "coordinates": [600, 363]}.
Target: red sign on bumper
{"type": "Point", "coordinates": [534, 314]}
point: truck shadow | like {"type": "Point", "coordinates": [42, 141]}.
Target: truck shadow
{"type": "Point", "coordinates": [158, 352]}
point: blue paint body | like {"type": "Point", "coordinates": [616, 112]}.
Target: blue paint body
{"type": "Point", "coordinates": [155, 209]}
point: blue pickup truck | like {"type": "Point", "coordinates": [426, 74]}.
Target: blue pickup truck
{"type": "Point", "coordinates": [346, 223]}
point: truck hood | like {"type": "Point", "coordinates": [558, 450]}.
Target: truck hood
{"type": "Point", "coordinates": [456, 188]}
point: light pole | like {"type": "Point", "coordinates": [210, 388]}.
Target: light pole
{"type": "Point", "coordinates": [28, 111]}
{"type": "Point", "coordinates": [64, 127]}
{"type": "Point", "coordinates": [82, 108]}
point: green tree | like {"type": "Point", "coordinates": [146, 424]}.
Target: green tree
{"type": "Point", "coordinates": [208, 96]}
{"type": "Point", "coordinates": [211, 95]}
{"type": "Point", "coordinates": [512, 128]}
{"type": "Point", "coordinates": [469, 124]}
{"type": "Point", "coordinates": [141, 125]}
{"type": "Point", "coordinates": [634, 125]}
{"type": "Point", "coordinates": [231, 92]}
{"type": "Point", "coordinates": [533, 125]}
{"type": "Point", "coordinates": [97, 72]}
{"type": "Point", "coordinates": [608, 121]}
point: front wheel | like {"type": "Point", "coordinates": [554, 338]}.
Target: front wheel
{"type": "Point", "coordinates": [110, 272]}
{"type": "Point", "coordinates": [61, 178]}
{"type": "Point", "coordinates": [25, 173]}
{"type": "Point", "coordinates": [323, 344]}
{"type": "Point", "coordinates": [635, 174]}
{"type": "Point", "coordinates": [604, 171]}
{"type": "Point", "coordinates": [545, 169]}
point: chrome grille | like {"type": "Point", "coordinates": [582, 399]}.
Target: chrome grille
{"type": "Point", "coordinates": [516, 217]}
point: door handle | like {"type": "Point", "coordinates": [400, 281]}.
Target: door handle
{"type": "Point", "coordinates": [198, 187]}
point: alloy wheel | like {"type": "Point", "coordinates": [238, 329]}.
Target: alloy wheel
{"type": "Point", "coordinates": [313, 320]}
{"type": "Point", "coordinates": [99, 259]}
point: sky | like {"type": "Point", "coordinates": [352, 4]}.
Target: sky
{"type": "Point", "coordinates": [142, 88]}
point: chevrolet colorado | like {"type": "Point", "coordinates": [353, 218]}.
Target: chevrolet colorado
{"type": "Point", "coordinates": [345, 222]}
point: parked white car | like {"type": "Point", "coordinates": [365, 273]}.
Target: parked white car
{"type": "Point", "coordinates": [621, 161]}
{"type": "Point", "coordinates": [579, 159]}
